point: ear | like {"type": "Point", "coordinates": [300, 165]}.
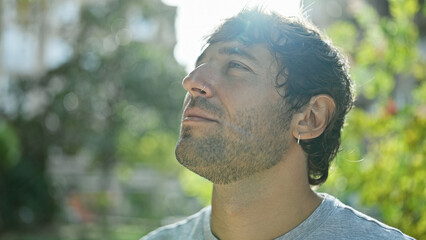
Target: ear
{"type": "Point", "coordinates": [312, 121]}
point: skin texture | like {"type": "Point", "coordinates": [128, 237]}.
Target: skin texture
{"type": "Point", "coordinates": [235, 132]}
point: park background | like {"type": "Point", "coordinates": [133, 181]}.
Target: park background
{"type": "Point", "coordinates": [90, 101]}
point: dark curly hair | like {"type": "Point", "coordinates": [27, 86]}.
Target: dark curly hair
{"type": "Point", "coordinates": [309, 66]}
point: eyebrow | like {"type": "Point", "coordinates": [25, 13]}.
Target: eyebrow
{"type": "Point", "coordinates": [235, 51]}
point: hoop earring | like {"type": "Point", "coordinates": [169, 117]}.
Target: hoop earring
{"type": "Point", "coordinates": [298, 140]}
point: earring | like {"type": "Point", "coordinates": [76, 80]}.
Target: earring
{"type": "Point", "coordinates": [298, 140]}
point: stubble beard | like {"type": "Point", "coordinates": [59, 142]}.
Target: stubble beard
{"type": "Point", "coordinates": [231, 152]}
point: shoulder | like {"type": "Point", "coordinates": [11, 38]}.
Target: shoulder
{"type": "Point", "coordinates": [352, 224]}
{"type": "Point", "coordinates": [188, 228]}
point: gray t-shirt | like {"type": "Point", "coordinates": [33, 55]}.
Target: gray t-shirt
{"type": "Point", "coordinates": [331, 220]}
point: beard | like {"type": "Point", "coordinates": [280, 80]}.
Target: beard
{"type": "Point", "coordinates": [225, 152]}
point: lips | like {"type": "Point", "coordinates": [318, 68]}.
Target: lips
{"type": "Point", "coordinates": [197, 115]}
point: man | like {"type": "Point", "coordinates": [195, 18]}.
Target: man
{"type": "Point", "coordinates": [262, 118]}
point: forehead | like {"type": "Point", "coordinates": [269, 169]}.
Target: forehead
{"type": "Point", "coordinates": [258, 54]}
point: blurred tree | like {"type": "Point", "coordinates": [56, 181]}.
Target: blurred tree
{"type": "Point", "coordinates": [383, 162]}
{"type": "Point", "coordinates": [117, 86]}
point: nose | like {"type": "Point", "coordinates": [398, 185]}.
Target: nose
{"type": "Point", "coordinates": [199, 82]}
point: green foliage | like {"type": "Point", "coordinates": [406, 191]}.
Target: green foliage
{"type": "Point", "coordinates": [155, 149]}
{"type": "Point", "coordinates": [383, 162]}
{"type": "Point", "coordinates": [196, 186]}
{"type": "Point", "coordinates": [344, 34]}
{"type": "Point", "coordinates": [117, 99]}
{"type": "Point", "coordinates": [9, 147]}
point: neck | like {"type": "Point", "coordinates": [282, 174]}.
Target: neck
{"type": "Point", "coordinates": [266, 205]}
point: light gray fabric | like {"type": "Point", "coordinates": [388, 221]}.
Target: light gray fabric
{"type": "Point", "coordinates": [331, 220]}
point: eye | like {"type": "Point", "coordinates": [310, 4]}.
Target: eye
{"type": "Point", "coordinates": [238, 65]}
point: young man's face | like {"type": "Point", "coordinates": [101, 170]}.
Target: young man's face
{"type": "Point", "coordinates": [234, 122]}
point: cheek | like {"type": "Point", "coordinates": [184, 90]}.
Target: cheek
{"type": "Point", "coordinates": [251, 100]}
{"type": "Point", "coordinates": [253, 122]}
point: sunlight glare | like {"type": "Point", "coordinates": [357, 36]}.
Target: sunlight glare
{"type": "Point", "coordinates": [195, 19]}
